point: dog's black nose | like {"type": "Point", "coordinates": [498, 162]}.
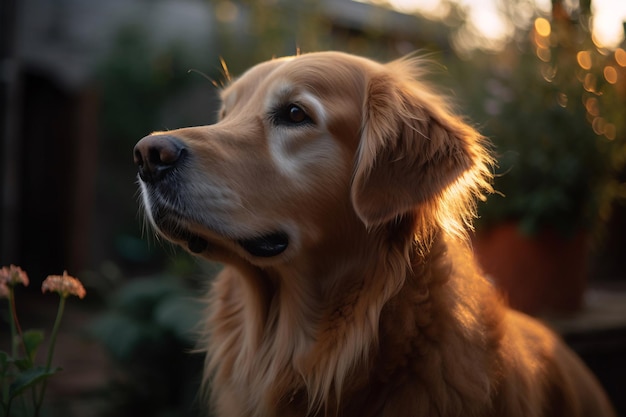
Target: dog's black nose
{"type": "Point", "coordinates": [155, 155]}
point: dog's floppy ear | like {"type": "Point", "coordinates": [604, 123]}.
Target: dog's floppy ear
{"type": "Point", "coordinates": [415, 155]}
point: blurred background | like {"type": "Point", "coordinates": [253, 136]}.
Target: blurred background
{"type": "Point", "coordinates": [81, 82]}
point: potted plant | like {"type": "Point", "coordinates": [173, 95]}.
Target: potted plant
{"type": "Point", "coordinates": [553, 106]}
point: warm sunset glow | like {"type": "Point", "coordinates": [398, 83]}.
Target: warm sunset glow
{"type": "Point", "coordinates": [485, 17]}
{"type": "Point", "coordinates": [608, 18]}
{"type": "Point", "coordinates": [430, 8]}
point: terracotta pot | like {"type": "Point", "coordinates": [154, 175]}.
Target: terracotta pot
{"type": "Point", "coordinates": [544, 273]}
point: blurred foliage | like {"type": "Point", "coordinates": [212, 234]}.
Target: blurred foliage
{"type": "Point", "coordinates": [556, 118]}
{"type": "Point", "coordinates": [264, 29]}
{"type": "Point", "coordinates": [149, 329]}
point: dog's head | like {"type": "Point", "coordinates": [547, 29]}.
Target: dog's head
{"type": "Point", "coordinates": [308, 150]}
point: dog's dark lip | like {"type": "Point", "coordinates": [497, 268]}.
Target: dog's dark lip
{"type": "Point", "coordinates": [263, 246]}
{"type": "Point", "coordinates": [267, 245]}
{"type": "Point", "coordinates": [171, 227]}
{"type": "Point", "coordinates": [196, 244]}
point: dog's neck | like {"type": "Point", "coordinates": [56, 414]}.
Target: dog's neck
{"type": "Point", "coordinates": [315, 341]}
{"type": "Point", "coordinates": [331, 280]}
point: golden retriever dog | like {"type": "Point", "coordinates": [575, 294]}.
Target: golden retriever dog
{"type": "Point", "coordinates": [338, 193]}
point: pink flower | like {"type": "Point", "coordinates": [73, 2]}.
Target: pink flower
{"type": "Point", "coordinates": [64, 285]}
{"type": "Point", "coordinates": [4, 289]}
{"type": "Point", "coordinates": [12, 275]}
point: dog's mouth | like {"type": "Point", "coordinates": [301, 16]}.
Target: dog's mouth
{"type": "Point", "coordinates": [196, 244]}
{"type": "Point", "coordinates": [264, 246]}
{"type": "Point", "coordinates": [172, 230]}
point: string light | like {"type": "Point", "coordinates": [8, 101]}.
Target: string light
{"type": "Point", "coordinates": [543, 27]}
{"type": "Point", "coordinates": [584, 59]}
{"type": "Point", "coordinates": [610, 74]}
{"type": "Point", "coordinates": [620, 57]}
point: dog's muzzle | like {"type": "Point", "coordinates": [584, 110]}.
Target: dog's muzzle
{"type": "Point", "coordinates": [157, 157]}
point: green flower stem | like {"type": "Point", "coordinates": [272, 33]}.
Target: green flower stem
{"type": "Point", "coordinates": [55, 330]}
{"type": "Point", "coordinates": [15, 326]}
{"type": "Point", "coordinates": [53, 338]}
{"type": "Point", "coordinates": [13, 317]}
{"type": "Point", "coordinates": [16, 329]}
{"type": "Point", "coordinates": [6, 400]}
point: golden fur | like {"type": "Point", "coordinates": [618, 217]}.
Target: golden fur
{"type": "Point", "coordinates": [376, 306]}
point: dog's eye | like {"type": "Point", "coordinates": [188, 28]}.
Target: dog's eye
{"type": "Point", "coordinates": [291, 114]}
{"type": "Point", "coordinates": [296, 114]}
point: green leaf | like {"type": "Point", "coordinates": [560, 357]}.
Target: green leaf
{"type": "Point", "coordinates": [139, 297]}
{"type": "Point", "coordinates": [32, 341]}
{"type": "Point", "coordinates": [120, 334]}
{"type": "Point", "coordinates": [23, 364]}
{"type": "Point", "coordinates": [29, 378]}
{"type": "Point", "coordinates": [180, 315]}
